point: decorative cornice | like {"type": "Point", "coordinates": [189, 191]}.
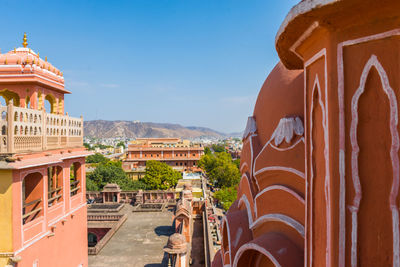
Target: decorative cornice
{"type": "Point", "coordinates": [251, 127]}
{"type": "Point", "coordinates": [286, 129]}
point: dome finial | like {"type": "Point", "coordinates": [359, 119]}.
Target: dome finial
{"type": "Point", "coordinates": [25, 43]}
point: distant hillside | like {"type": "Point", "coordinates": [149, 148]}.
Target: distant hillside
{"type": "Point", "coordinates": [130, 129]}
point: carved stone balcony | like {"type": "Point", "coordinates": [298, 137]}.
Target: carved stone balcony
{"type": "Point", "coordinates": [29, 130]}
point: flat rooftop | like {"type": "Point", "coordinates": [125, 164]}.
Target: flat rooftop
{"type": "Point", "coordinates": [138, 243]}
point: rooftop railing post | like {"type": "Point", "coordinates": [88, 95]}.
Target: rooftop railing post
{"type": "Point", "coordinates": [10, 130]}
{"type": "Point", "coordinates": [59, 132]}
{"type": "Point", "coordinates": [44, 127]}
{"type": "Point", "coordinates": [68, 125]}
{"type": "Point", "coordinates": [81, 131]}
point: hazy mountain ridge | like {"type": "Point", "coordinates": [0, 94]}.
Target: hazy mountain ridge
{"type": "Point", "coordinates": [130, 129]}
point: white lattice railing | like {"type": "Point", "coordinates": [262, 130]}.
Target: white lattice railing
{"type": "Point", "coordinates": [24, 130]}
{"type": "Point", "coordinates": [3, 129]}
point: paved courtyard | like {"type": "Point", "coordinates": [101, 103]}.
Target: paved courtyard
{"type": "Point", "coordinates": [138, 243]}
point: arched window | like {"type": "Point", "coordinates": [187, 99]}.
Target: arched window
{"type": "Point", "coordinates": [75, 178]}
{"type": "Point", "coordinates": [7, 96]}
{"type": "Point", "coordinates": [28, 102]}
{"type": "Point", "coordinates": [3, 101]}
{"type": "Point", "coordinates": [32, 193]}
{"type": "Point", "coordinates": [50, 103]}
{"type": "Point", "coordinates": [54, 185]}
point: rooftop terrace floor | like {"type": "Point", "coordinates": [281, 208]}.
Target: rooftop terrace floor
{"type": "Point", "coordinates": [138, 243]}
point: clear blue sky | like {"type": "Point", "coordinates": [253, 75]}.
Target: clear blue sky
{"type": "Point", "coordinates": [192, 62]}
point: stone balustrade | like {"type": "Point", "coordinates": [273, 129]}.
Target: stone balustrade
{"type": "Point", "coordinates": [28, 130]}
{"type": "Point", "coordinates": [104, 217]}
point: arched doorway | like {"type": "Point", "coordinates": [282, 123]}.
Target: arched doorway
{"type": "Point", "coordinates": [50, 103]}
{"type": "Point", "coordinates": [28, 102]}
{"type": "Point", "coordinates": [9, 96]}
{"type": "Point", "coordinates": [92, 240]}
{"type": "Point", "coordinates": [3, 101]}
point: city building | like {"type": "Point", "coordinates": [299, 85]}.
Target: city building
{"type": "Point", "coordinates": [179, 154]}
{"type": "Point", "coordinates": [320, 160]}
{"type": "Point", "coordinates": [42, 167]}
{"type": "Point", "coordinates": [195, 180]}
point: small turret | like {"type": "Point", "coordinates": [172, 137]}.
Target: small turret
{"type": "Point", "coordinates": [25, 41]}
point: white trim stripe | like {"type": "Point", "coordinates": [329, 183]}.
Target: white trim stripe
{"type": "Point", "coordinates": [244, 200]}
{"type": "Point", "coordinates": [342, 133]}
{"type": "Point", "coordinates": [307, 33]}
{"type": "Point", "coordinates": [374, 62]}
{"type": "Point", "coordinates": [325, 125]}
{"type": "Point", "coordinates": [277, 187]}
{"type": "Point", "coordinates": [280, 168]}
{"type": "Point", "coordinates": [277, 217]}
{"type": "Point", "coordinates": [287, 148]}
{"type": "Point", "coordinates": [252, 246]}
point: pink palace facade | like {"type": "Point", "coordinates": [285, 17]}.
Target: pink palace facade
{"type": "Point", "coordinates": [42, 167]}
{"type": "Point", "coordinates": [320, 160]}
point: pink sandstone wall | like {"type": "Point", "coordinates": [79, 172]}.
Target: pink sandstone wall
{"type": "Point", "coordinates": [347, 152]}
{"type": "Point", "coordinates": [59, 235]}
{"type": "Point", "coordinates": [271, 195]}
{"type": "Point", "coordinates": [48, 251]}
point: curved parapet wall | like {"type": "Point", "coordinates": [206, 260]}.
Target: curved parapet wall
{"type": "Point", "coordinates": [331, 123]}
{"type": "Point", "coordinates": [265, 225]}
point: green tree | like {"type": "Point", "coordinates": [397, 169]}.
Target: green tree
{"type": "Point", "coordinates": [226, 175]}
{"type": "Point", "coordinates": [237, 163]}
{"type": "Point", "coordinates": [91, 185]}
{"type": "Point", "coordinates": [226, 196]}
{"type": "Point", "coordinates": [207, 162]}
{"type": "Point", "coordinates": [101, 146]}
{"type": "Point", "coordinates": [111, 172]}
{"type": "Point", "coordinates": [128, 184]}
{"type": "Point", "coordinates": [220, 169]}
{"type": "Point", "coordinates": [97, 158]}
{"type": "Point", "coordinates": [160, 176]}
{"type": "Point", "coordinates": [87, 146]}
{"type": "Point", "coordinates": [105, 173]}
{"type": "Point", "coordinates": [207, 150]}
{"type": "Point", "coordinates": [121, 144]}
{"type": "Point", "coordinates": [218, 148]}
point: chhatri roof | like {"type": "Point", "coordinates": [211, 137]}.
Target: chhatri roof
{"type": "Point", "coordinates": [176, 244]}
{"type": "Point", "coordinates": [111, 188]}
{"type": "Point", "coordinates": [308, 15]}
{"type": "Point", "coordinates": [24, 65]}
{"type": "Point", "coordinates": [299, 18]}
